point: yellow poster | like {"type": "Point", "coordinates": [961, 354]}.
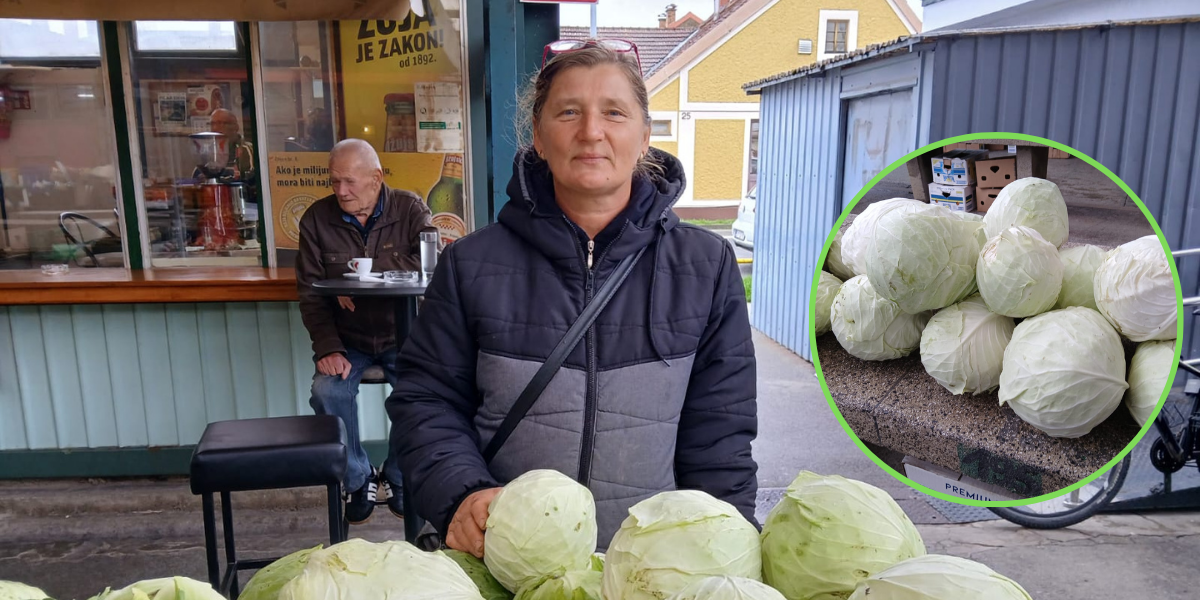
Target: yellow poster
{"type": "Point", "coordinates": [299, 179]}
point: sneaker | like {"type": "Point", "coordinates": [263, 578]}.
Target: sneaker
{"type": "Point", "coordinates": [395, 497]}
{"type": "Point", "coordinates": [361, 502]}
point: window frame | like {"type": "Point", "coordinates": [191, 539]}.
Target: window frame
{"type": "Point", "coordinates": [826, 16]}
{"type": "Point", "coordinates": [662, 115]}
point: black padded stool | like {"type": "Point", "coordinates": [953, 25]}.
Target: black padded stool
{"type": "Point", "coordinates": [263, 454]}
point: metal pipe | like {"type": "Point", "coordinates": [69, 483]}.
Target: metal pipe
{"type": "Point", "coordinates": [1186, 252]}
{"type": "Point", "coordinates": [1193, 301]}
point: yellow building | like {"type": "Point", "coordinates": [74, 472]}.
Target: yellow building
{"type": "Point", "coordinates": [699, 110]}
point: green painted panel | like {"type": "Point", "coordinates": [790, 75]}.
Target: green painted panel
{"type": "Point", "coordinates": [187, 377]}
{"type": "Point", "coordinates": [304, 368]}
{"type": "Point", "coordinates": [91, 354]}
{"type": "Point", "coordinates": [214, 356]}
{"type": "Point", "coordinates": [275, 342]}
{"type": "Point", "coordinates": [120, 336]}
{"type": "Point", "coordinates": [62, 369]}
{"type": "Point", "coordinates": [32, 376]}
{"type": "Point", "coordinates": [12, 414]}
{"type": "Point", "coordinates": [154, 356]}
{"type": "Point", "coordinates": [245, 360]}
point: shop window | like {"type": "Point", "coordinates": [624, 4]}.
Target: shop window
{"type": "Point", "coordinates": [185, 36]}
{"type": "Point", "coordinates": [58, 170]}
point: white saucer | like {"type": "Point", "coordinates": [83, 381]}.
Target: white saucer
{"type": "Point", "coordinates": [356, 275]}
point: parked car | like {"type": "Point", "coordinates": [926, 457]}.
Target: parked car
{"type": "Point", "coordinates": [743, 226]}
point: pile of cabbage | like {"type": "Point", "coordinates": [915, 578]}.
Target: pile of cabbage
{"type": "Point", "coordinates": [828, 538]}
{"type": "Point", "coordinates": [999, 303]}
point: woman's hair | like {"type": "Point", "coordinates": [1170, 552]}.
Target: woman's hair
{"type": "Point", "coordinates": [535, 94]}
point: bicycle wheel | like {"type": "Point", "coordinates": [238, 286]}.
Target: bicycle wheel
{"type": "Point", "coordinates": [1070, 508]}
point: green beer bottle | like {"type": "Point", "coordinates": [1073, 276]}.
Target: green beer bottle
{"type": "Point", "coordinates": [445, 200]}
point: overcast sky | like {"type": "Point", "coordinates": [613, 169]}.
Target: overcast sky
{"type": "Point", "coordinates": [644, 13]}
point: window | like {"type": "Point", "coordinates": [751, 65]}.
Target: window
{"type": "Point", "coordinates": [660, 127]}
{"type": "Point", "coordinates": [752, 157]}
{"type": "Point", "coordinates": [58, 195]}
{"type": "Point", "coordinates": [835, 36]}
{"type": "Point", "coordinates": [185, 36]}
{"type": "Point", "coordinates": [837, 33]}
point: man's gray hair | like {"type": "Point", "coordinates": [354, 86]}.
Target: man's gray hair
{"type": "Point", "coordinates": [358, 150]}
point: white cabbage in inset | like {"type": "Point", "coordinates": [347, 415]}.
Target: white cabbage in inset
{"type": "Point", "coordinates": [963, 345]}
{"type": "Point", "coordinates": [1136, 292]}
{"type": "Point", "coordinates": [833, 260]}
{"type": "Point", "coordinates": [1019, 273]}
{"type": "Point", "coordinates": [827, 289]}
{"type": "Point", "coordinates": [1029, 202]}
{"type": "Point", "coordinates": [1079, 270]}
{"type": "Point", "coordinates": [872, 327]}
{"type": "Point", "coordinates": [1149, 370]}
{"type": "Point", "coordinates": [861, 233]}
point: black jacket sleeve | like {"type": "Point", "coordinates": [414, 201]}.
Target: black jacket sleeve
{"type": "Point", "coordinates": [433, 407]}
{"type": "Point", "coordinates": [720, 416]}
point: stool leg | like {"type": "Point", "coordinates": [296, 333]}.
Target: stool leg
{"type": "Point", "coordinates": [210, 541]}
{"type": "Point", "coordinates": [230, 550]}
{"type": "Point", "coordinates": [337, 521]}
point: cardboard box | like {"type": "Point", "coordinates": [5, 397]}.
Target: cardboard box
{"type": "Point", "coordinates": [985, 199]}
{"type": "Point", "coordinates": [995, 173]}
{"type": "Point", "coordinates": [944, 480]}
{"type": "Point", "coordinates": [957, 168]}
{"type": "Point", "coordinates": [968, 206]}
{"type": "Point", "coordinates": [951, 193]}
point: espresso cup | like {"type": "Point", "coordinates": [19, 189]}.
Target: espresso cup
{"type": "Point", "coordinates": [362, 266]}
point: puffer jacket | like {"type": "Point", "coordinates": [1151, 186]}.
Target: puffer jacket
{"type": "Point", "coordinates": [659, 395]}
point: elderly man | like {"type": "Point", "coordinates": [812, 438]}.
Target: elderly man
{"type": "Point", "coordinates": [241, 152]}
{"type": "Point", "coordinates": [363, 218]}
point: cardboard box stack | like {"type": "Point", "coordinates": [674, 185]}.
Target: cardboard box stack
{"type": "Point", "coordinates": [954, 179]}
{"type": "Point", "coordinates": [991, 177]}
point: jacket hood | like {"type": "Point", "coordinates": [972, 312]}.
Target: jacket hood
{"type": "Point", "coordinates": [534, 215]}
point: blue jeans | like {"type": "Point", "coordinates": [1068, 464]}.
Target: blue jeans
{"type": "Point", "coordinates": [332, 395]}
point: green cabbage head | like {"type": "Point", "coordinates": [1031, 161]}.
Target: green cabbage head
{"type": "Point", "coordinates": [541, 523]}
{"type": "Point", "coordinates": [938, 577]}
{"type": "Point", "coordinates": [12, 590]}
{"type": "Point", "coordinates": [1064, 371]}
{"type": "Point", "coordinates": [1029, 202]}
{"type": "Point", "coordinates": [871, 327]}
{"type": "Point", "coordinates": [357, 569]}
{"type": "Point", "coordinates": [1079, 268]}
{"type": "Point", "coordinates": [489, 588]}
{"type": "Point", "coordinates": [827, 288]}
{"type": "Point", "coordinates": [828, 533]}
{"type": "Point", "coordinates": [924, 259]}
{"type": "Point", "coordinates": [1019, 273]}
{"type": "Point", "coordinates": [674, 538]}
{"type": "Point", "coordinates": [962, 347]}
{"type": "Point", "coordinates": [166, 588]}
{"type": "Point", "coordinates": [1135, 291]}
{"type": "Point", "coordinates": [268, 581]}
{"type": "Point", "coordinates": [723, 587]}
{"type": "Point", "coordinates": [833, 259]}
{"type": "Point", "coordinates": [860, 235]}
{"type": "Point", "coordinates": [1152, 365]}
{"type": "Point", "coordinates": [572, 585]}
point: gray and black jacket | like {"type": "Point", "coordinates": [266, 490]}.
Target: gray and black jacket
{"type": "Point", "coordinates": [660, 394]}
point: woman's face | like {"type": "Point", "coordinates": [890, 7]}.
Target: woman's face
{"type": "Point", "coordinates": [591, 130]}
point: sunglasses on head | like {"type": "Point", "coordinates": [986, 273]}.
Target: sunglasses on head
{"type": "Point", "coordinates": [564, 46]}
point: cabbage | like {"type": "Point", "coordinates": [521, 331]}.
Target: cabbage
{"type": "Point", "coordinates": [1079, 268]}
{"type": "Point", "coordinates": [1019, 273]}
{"type": "Point", "coordinates": [871, 327]}
{"type": "Point", "coordinates": [489, 588]}
{"type": "Point", "coordinates": [924, 259]}
{"type": "Point", "coordinates": [573, 585]}
{"type": "Point", "coordinates": [166, 588]}
{"type": "Point", "coordinates": [541, 523]}
{"type": "Point", "coordinates": [1029, 202]}
{"type": "Point", "coordinates": [723, 587]}
{"type": "Point", "coordinates": [1149, 371]}
{"type": "Point", "coordinates": [1064, 371]}
{"type": "Point", "coordinates": [828, 533]}
{"type": "Point", "coordinates": [1136, 292]}
{"type": "Point", "coordinates": [962, 347]}
{"type": "Point", "coordinates": [12, 590]}
{"type": "Point", "coordinates": [674, 538]}
{"type": "Point", "coordinates": [396, 570]}
{"type": "Point", "coordinates": [860, 235]}
{"type": "Point", "coordinates": [269, 580]}
{"type": "Point", "coordinates": [827, 288]}
{"type": "Point", "coordinates": [938, 577]}
{"type": "Point", "coordinates": [597, 562]}
{"type": "Point", "coordinates": [833, 260]}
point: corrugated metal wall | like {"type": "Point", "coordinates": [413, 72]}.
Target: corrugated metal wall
{"type": "Point", "coordinates": [1127, 96]}
{"type": "Point", "coordinates": [798, 191]}
{"type": "Point", "coordinates": [153, 374]}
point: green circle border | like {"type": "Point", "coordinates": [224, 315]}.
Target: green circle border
{"type": "Point", "coordinates": [812, 312]}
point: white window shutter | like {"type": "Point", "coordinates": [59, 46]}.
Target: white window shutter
{"type": "Point", "coordinates": [806, 47]}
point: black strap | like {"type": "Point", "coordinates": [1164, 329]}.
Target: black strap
{"type": "Point", "coordinates": [546, 372]}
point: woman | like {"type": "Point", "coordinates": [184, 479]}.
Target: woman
{"type": "Point", "coordinates": [659, 395]}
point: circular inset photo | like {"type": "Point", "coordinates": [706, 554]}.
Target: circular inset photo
{"type": "Point", "coordinates": [996, 325]}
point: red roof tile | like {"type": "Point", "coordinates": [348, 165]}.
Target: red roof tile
{"type": "Point", "coordinates": [653, 43]}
